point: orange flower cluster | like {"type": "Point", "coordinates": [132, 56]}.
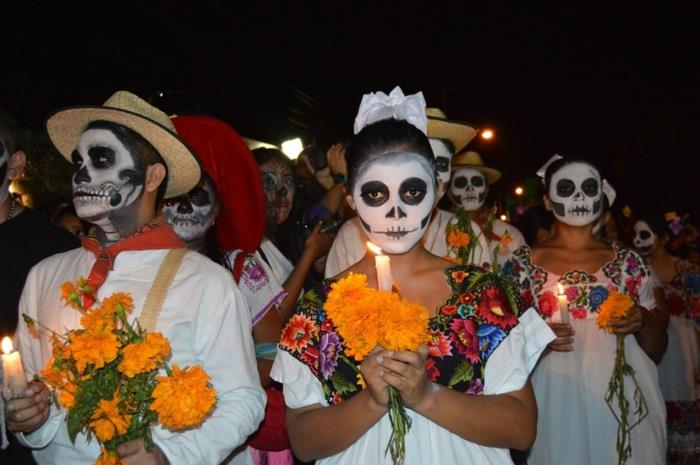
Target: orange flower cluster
{"type": "Point", "coordinates": [109, 458]}
{"type": "Point", "coordinates": [93, 347]}
{"type": "Point", "coordinates": [457, 239]}
{"type": "Point", "coordinates": [615, 306]}
{"type": "Point", "coordinates": [142, 357]}
{"type": "Point", "coordinates": [366, 317]}
{"type": "Point", "coordinates": [184, 398]}
{"type": "Point", "coordinates": [108, 419]}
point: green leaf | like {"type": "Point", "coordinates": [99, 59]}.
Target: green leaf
{"type": "Point", "coordinates": [341, 384]}
{"type": "Point", "coordinates": [464, 372]}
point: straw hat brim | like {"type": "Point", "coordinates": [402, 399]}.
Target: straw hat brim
{"type": "Point", "coordinates": [66, 126]}
{"type": "Point", "coordinates": [491, 174]}
{"type": "Point", "coordinates": [457, 132]}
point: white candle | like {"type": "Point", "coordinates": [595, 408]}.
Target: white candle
{"type": "Point", "coordinates": [563, 305]}
{"type": "Point", "coordinates": [382, 264]}
{"type": "Point", "coordinates": [14, 382]}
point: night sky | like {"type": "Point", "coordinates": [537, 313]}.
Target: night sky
{"type": "Point", "coordinates": [621, 86]}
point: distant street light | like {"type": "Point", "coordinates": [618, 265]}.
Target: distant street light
{"type": "Point", "coordinates": [487, 134]}
{"type": "Point", "coordinates": [292, 148]}
{"type": "Point", "coordinates": [519, 190]}
{"type": "Point", "coordinates": [504, 217]}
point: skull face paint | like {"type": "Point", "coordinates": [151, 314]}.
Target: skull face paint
{"type": "Point", "coordinates": [192, 215]}
{"type": "Point", "coordinates": [644, 238]}
{"type": "Point", "coordinates": [107, 177]}
{"type": "Point", "coordinates": [576, 194]}
{"type": "Point", "coordinates": [4, 178]}
{"type": "Point", "coordinates": [443, 159]}
{"type": "Point", "coordinates": [394, 198]}
{"type": "Point", "coordinates": [468, 188]}
{"type": "Point", "coordinates": [278, 185]}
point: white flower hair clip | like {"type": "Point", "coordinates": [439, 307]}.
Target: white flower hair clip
{"type": "Point", "coordinates": [378, 106]}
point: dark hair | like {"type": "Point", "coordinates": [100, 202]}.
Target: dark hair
{"type": "Point", "coordinates": [532, 220]}
{"type": "Point", "coordinates": [10, 133]}
{"type": "Point", "coordinates": [562, 162]}
{"type": "Point", "coordinates": [136, 144]}
{"type": "Point", "coordinates": [385, 138]}
{"type": "Point", "coordinates": [263, 155]}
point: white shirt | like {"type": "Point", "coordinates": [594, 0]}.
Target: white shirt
{"type": "Point", "coordinates": [204, 317]}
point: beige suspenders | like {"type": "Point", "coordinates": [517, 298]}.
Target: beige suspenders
{"type": "Point", "coordinates": [159, 289]}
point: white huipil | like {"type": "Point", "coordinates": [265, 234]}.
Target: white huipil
{"type": "Point", "coordinates": [207, 322]}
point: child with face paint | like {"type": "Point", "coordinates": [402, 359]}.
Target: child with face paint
{"type": "Point", "coordinates": [469, 187]}
{"type": "Point", "coordinates": [126, 156]}
{"type": "Point", "coordinates": [340, 417]}
{"type": "Point", "coordinates": [445, 136]}
{"type": "Point", "coordinates": [575, 425]}
{"type": "Point", "coordinates": [680, 365]}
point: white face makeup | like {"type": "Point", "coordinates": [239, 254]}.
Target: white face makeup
{"type": "Point", "coordinates": [278, 186]}
{"type": "Point", "coordinates": [193, 214]}
{"type": "Point", "coordinates": [394, 199]}
{"type": "Point", "coordinates": [4, 177]}
{"type": "Point", "coordinates": [644, 238]}
{"type": "Point", "coordinates": [107, 178]}
{"type": "Point", "coordinates": [576, 194]}
{"type": "Point", "coordinates": [443, 159]}
{"type": "Point", "coordinates": [468, 188]}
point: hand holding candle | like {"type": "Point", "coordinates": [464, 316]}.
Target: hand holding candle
{"type": "Point", "coordinates": [14, 382]}
{"type": "Point", "coordinates": [563, 305]}
{"type": "Point", "coordinates": [385, 280]}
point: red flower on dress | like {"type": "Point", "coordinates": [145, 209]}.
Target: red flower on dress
{"type": "Point", "coordinates": [336, 398]}
{"type": "Point", "coordinates": [298, 333]}
{"type": "Point", "coordinates": [527, 298]}
{"type": "Point", "coordinates": [449, 310]}
{"type": "Point", "coordinates": [465, 339]}
{"type": "Point", "coordinates": [433, 371]}
{"type": "Point", "coordinates": [548, 304]}
{"type": "Point", "coordinates": [327, 325]}
{"type": "Point", "coordinates": [495, 308]}
{"type": "Point", "coordinates": [459, 275]}
{"type": "Point", "coordinates": [467, 298]}
{"type": "Point", "coordinates": [311, 357]}
{"type": "Point", "coordinates": [579, 313]}
{"type": "Point", "coordinates": [439, 344]}
{"type": "Point", "coordinates": [632, 286]}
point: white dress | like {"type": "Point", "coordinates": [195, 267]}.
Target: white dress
{"type": "Point", "coordinates": [575, 426]}
{"type": "Point", "coordinates": [506, 357]}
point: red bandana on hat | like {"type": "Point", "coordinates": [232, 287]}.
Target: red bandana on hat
{"type": "Point", "coordinates": [155, 235]}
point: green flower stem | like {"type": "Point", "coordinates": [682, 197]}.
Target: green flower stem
{"type": "Point", "coordinates": [616, 392]}
{"type": "Point", "coordinates": [400, 424]}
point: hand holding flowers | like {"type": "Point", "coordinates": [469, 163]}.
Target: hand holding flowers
{"type": "Point", "coordinates": [406, 371]}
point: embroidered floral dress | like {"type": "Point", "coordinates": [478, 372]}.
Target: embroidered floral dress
{"type": "Point", "coordinates": [680, 364]}
{"type": "Point", "coordinates": [481, 344]}
{"type": "Point", "coordinates": [575, 426]}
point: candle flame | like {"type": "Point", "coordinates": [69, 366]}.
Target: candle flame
{"type": "Point", "coordinates": [376, 250]}
{"type": "Point", "coordinates": [561, 288]}
{"type": "Point", "coordinates": [6, 345]}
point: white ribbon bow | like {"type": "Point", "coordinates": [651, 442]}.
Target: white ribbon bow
{"type": "Point", "coordinates": [378, 106]}
{"type": "Point", "coordinates": [608, 189]}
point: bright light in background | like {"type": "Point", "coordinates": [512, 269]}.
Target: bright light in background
{"type": "Point", "coordinates": [14, 189]}
{"type": "Point", "coordinates": [487, 134]}
{"type": "Point", "coordinates": [504, 217]}
{"type": "Point", "coordinates": [292, 148]}
{"type": "Point", "coordinates": [519, 190]}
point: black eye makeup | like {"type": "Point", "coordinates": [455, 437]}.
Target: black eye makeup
{"type": "Point", "coordinates": [477, 181]}
{"type": "Point", "coordinates": [102, 157]}
{"type": "Point", "coordinates": [199, 197]}
{"type": "Point", "coordinates": [460, 182]}
{"type": "Point", "coordinates": [412, 191]}
{"type": "Point", "coordinates": [590, 187]}
{"type": "Point", "coordinates": [374, 193]}
{"type": "Point", "coordinates": [565, 187]}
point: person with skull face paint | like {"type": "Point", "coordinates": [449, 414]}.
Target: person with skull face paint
{"type": "Point", "coordinates": [339, 417]}
{"type": "Point", "coordinates": [126, 155]}
{"type": "Point", "coordinates": [445, 136]}
{"type": "Point", "coordinates": [469, 187]}
{"type": "Point", "coordinates": [575, 425]}
{"type": "Point", "coordinates": [680, 365]}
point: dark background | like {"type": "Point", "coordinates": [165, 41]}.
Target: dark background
{"type": "Point", "coordinates": [618, 84]}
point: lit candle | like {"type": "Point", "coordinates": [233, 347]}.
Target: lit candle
{"type": "Point", "coordinates": [563, 305]}
{"type": "Point", "coordinates": [14, 382]}
{"type": "Point", "coordinates": [381, 262]}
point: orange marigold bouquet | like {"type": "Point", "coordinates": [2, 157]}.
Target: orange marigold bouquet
{"type": "Point", "coordinates": [618, 305]}
{"type": "Point", "coordinates": [105, 374]}
{"type": "Point", "coordinates": [366, 318]}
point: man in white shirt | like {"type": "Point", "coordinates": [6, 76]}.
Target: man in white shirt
{"type": "Point", "coordinates": [127, 156]}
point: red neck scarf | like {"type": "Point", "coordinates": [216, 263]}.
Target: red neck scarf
{"type": "Point", "coordinates": [155, 235]}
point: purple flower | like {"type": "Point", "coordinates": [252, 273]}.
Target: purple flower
{"type": "Point", "coordinates": [329, 347]}
{"type": "Point", "coordinates": [476, 386]}
{"type": "Point", "coordinates": [632, 262]}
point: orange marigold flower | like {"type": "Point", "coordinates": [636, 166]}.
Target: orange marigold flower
{"type": "Point", "coordinates": [615, 306]}
{"type": "Point", "coordinates": [405, 325]}
{"type": "Point", "coordinates": [70, 294]}
{"type": "Point", "coordinates": [458, 239]}
{"type": "Point", "coordinates": [104, 429]}
{"type": "Point", "coordinates": [97, 348]}
{"type": "Point", "coordinates": [298, 333]}
{"type": "Point", "coordinates": [109, 458]}
{"type": "Point", "coordinates": [184, 398]}
{"type": "Point", "coordinates": [66, 395]}
{"type": "Point", "coordinates": [98, 320]}
{"type": "Point", "coordinates": [109, 410]}
{"type": "Point", "coordinates": [123, 299]}
{"type": "Point", "coordinates": [142, 357]}
{"type": "Point", "coordinates": [52, 376]}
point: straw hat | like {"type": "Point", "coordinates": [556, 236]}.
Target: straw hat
{"type": "Point", "coordinates": [231, 165]}
{"type": "Point", "coordinates": [457, 132]}
{"type": "Point", "coordinates": [471, 159]}
{"type": "Point", "coordinates": [65, 127]}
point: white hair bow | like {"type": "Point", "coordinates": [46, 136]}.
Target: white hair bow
{"type": "Point", "coordinates": [608, 189]}
{"type": "Point", "coordinates": [378, 106]}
